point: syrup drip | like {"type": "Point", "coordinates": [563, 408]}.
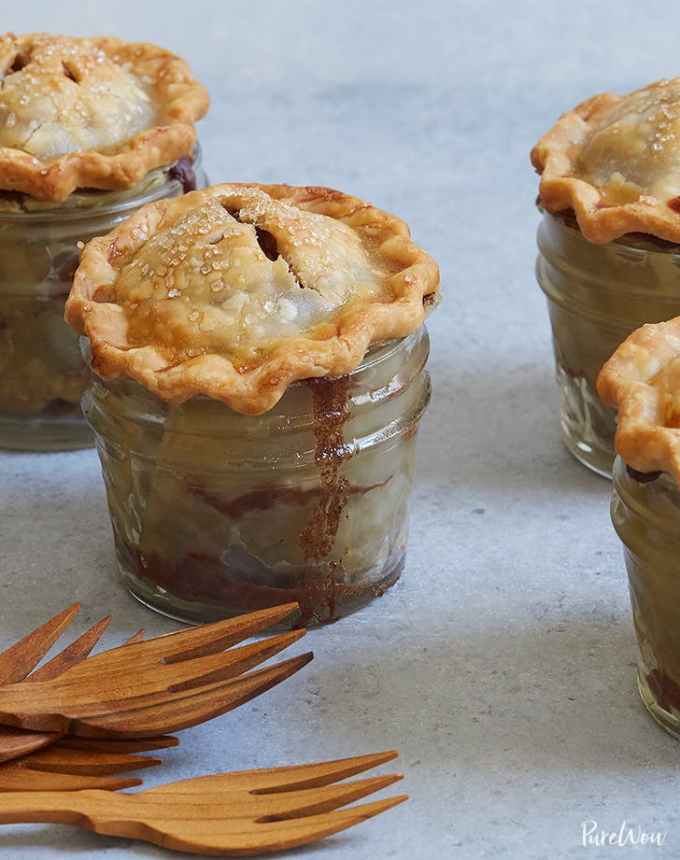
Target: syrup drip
{"type": "Point", "coordinates": [330, 405]}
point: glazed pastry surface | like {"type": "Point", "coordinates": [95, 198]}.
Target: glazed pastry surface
{"type": "Point", "coordinates": [642, 381]}
{"type": "Point", "coordinates": [238, 290]}
{"type": "Point", "coordinates": [615, 161]}
{"type": "Point", "coordinates": [96, 113]}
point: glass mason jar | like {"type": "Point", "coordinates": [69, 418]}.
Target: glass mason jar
{"type": "Point", "coordinates": [216, 513]}
{"type": "Point", "coordinates": [597, 296]}
{"type": "Point", "coordinates": [646, 515]}
{"type": "Point", "coordinates": [42, 373]}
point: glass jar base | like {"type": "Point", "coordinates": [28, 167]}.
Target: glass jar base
{"type": "Point", "coordinates": [194, 612]}
{"type": "Point", "coordinates": [668, 720]}
{"type": "Point", "coordinates": [598, 460]}
{"type": "Point", "coordinates": [587, 426]}
{"type": "Point", "coordinates": [41, 434]}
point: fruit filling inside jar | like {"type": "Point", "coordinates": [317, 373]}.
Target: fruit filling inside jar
{"type": "Point", "coordinates": [597, 296]}
{"type": "Point", "coordinates": [215, 512]}
{"type": "Point", "coordinates": [42, 373]}
{"type": "Point", "coordinates": [646, 515]}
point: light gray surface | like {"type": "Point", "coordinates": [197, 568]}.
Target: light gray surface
{"type": "Point", "coordinates": [502, 665]}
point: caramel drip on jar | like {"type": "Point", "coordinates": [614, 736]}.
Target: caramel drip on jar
{"type": "Point", "coordinates": [330, 410]}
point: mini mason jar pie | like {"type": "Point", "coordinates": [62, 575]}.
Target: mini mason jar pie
{"type": "Point", "coordinates": [258, 357]}
{"type": "Point", "coordinates": [90, 130]}
{"type": "Point", "coordinates": [642, 381]}
{"type": "Point", "coordinates": [609, 243]}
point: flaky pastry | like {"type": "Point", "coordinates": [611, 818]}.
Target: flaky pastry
{"type": "Point", "coordinates": [236, 291]}
{"type": "Point", "coordinates": [642, 381]}
{"type": "Point", "coordinates": [91, 113]}
{"type": "Point", "coordinates": [615, 161]}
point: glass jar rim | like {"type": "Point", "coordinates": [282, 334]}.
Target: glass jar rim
{"type": "Point", "coordinates": [635, 495]}
{"type": "Point", "coordinates": [139, 406]}
{"type": "Point", "coordinates": [61, 212]}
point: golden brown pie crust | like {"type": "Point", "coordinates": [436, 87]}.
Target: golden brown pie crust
{"type": "Point", "coordinates": [615, 161]}
{"type": "Point", "coordinates": [642, 381]}
{"type": "Point", "coordinates": [377, 295]}
{"type": "Point", "coordinates": [59, 93]}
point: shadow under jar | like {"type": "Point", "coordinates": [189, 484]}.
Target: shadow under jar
{"type": "Point", "coordinates": [42, 373]}
{"type": "Point", "coordinates": [598, 295]}
{"type": "Point", "coordinates": [216, 513]}
{"type": "Point", "coordinates": [646, 515]}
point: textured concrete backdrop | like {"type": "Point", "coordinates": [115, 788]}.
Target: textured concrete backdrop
{"type": "Point", "coordinates": [502, 666]}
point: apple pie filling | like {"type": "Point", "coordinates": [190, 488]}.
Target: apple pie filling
{"type": "Point", "coordinates": [597, 295]}
{"type": "Point", "coordinates": [646, 515]}
{"type": "Point", "coordinates": [216, 513]}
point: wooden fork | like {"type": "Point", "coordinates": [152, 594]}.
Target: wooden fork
{"type": "Point", "coordinates": [18, 661]}
{"type": "Point", "coordinates": [76, 764]}
{"type": "Point", "coordinates": [156, 686]}
{"type": "Point", "coordinates": [247, 812]}
{"type": "Point", "coordinates": [69, 764]}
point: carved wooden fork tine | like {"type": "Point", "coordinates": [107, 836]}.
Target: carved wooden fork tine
{"type": "Point", "coordinates": [73, 654]}
{"type": "Point", "coordinates": [228, 814]}
{"type": "Point", "coordinates": [68, 764]}
{"type": "Point", "coordinates": [182, 710]}
{"type": "Point", "coordinates": [61, 768]}
{"type": "Point", "coordinates": [150, 675]}
{"type": "Point", "coordinates": [208, 639]}
{"type": "Point", "coordinates": [18, 662]}
{"type": "Point", "coordinates": [20, 659]}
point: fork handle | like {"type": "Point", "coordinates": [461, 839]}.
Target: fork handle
{"type": "Point", "coordinates": [41, 807]}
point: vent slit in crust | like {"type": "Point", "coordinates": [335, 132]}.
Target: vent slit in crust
{"type": "Point", "coordinates": [17, 64]}
{"type": "Point", "coordinates": [267, 243]}
{"type": "Point", "coordinates": [71, 72]}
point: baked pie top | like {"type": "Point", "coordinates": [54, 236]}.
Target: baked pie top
{"type": "Point", "coordinates": [236, 291]}
{"type": "Point", "coordinates": [95, 113]}
{"type": "Point", "coordinates": [642, 380]}
{"type": "Point", "coordinates": [615, 160]}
